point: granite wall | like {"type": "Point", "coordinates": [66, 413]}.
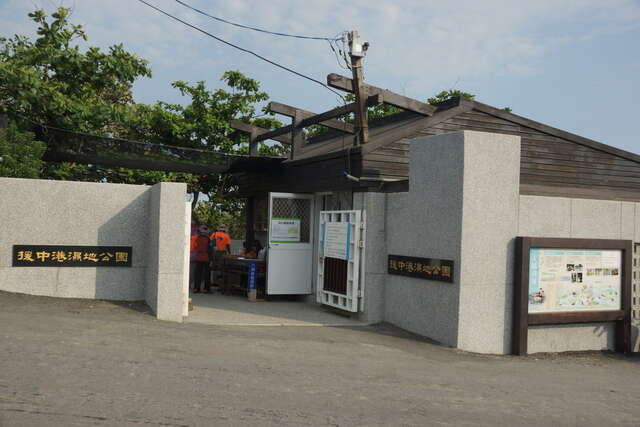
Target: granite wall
{"type": "Point", "coordinates": [464, 205]}
{"type": "Point", "coordinates": [577, 218]}
{"type": "Point", "coordinates": [149, 219]}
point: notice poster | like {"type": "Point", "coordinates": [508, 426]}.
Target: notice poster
{"type": "Point", "coordinates": [285, 230]}
{"type": "Point", "coordinates": [563, 280]}
{"type": "Point", "coordinates": [337, 238]}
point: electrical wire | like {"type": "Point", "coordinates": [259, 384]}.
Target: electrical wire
{"type": "Point", "coordinates": [340, 53]}
{"type": "Point", "coordinates": [253, 28]}
{"type": "Point", "coordinates": [331, 40]}
{"type": "Point", "coordinates": [241, 48]}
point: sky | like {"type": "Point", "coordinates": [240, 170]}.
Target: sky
{"type": "Point", "coordinates": [571, 64]}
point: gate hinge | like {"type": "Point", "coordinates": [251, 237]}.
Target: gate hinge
{"type": "Point", "coordinates": [359, 293]}
{"type": "Point", "coordinates": [361, 244]}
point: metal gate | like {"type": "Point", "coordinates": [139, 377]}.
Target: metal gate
{"type": "Point", "coordinates": [340, 254]}
{"type": "Point", "coordinates": [635, 292]}
{"type": "Point", "coordinates": [635, 299]}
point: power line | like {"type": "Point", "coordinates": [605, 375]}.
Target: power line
{"type": "Point", "coordinates": [254, 28]}
{"type": "Point", "coordinates": [331, 40]}
{"type": "Point", "coordinates": [242, 49]}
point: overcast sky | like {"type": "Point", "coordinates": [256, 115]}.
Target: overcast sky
{"type": "Point", "coordinates": [572, 64]}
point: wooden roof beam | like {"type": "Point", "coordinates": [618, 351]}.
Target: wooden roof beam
{"type": "Point", "coordinates": [258, 131]}
{"type": "Point", "coordinates": [344, 83]}
{"type": "Point", "coordinates": [290, 111]}
{"type": "Point", "coordinates": [319, 118]}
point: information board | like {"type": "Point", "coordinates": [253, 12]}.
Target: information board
{"type": "Point", "coordinates": [285, 230]}
{"type": "Point", "coordinates": [562, 280]}
{"type": "Point", "coordinates": [337, 239]}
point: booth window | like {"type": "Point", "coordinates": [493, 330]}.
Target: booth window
{"type": "Point", "coordinates": [294, 208]}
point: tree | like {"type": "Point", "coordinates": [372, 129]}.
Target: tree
{"type": "Point", "coordinates": [204, 124]}
{"type": "Point", "coordinates": [52, 81]}
{"type": "Point", "coordinates": [20, 153]}
{"type": "Point", "coordinates": [448, 94]}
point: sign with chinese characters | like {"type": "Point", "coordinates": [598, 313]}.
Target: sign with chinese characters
{"type": "Point", "coordinates": [285, 230]}
{"type": "Point", "coordinates": [574, 280]}
{"type": "Point", "coordinates": [71, 256]}
{"type": "Point", "coordinates": [421, 268]}
{"type": "Point", "coordinates": [337, 239]}
{"type": "Point", "coordinates": [253, 271]}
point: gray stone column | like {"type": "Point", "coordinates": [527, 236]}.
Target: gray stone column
{"type": "Point", "coordinates": [489, 226]}
{"type": "Point", "coordinates": [462, 205]}
{"type": "Point", "coordinates": [375, 256]}
{"type": "Point", "coordinates": [165, 271]}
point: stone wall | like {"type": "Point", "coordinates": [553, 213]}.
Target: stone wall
{"type": "Point", "coordinates": [464, 205]}
{"type": "Point", "coordinates": [461, 206]}
{"type": "Point", "coordinates": [577, 218]}
{"type": "Point", "coordinates": [149, 219]}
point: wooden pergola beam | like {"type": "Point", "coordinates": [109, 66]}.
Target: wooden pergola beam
{"type": "Point", "coordinates": [258, 131]}
{"type": "Point", "coordinates": [345, 83]}
{"type": "Point", "coordinates": [287, 110]}
{"type": "Point", "coordinates": [339, 111]}
{"type": "Point", "coordinates": [319, 118]}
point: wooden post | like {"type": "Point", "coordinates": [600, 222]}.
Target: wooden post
{"type": "Point", "coordinates": [362, 120]}
{"type": "Point", "coordinates": [253, 144]}
{"type": "Point", "coordinates": [4, 121]}
{"type": "Point", "coordinates": [520, 326]}
{"type": "Point", "coordinates": [297, 138]}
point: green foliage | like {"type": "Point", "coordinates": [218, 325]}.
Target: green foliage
{"type": "Point", "coordinates": [448, 94]}
{"type": "Point", "coordinates": [215, 216]}
{"type": "Point", "coordinates": [204, 124]}
{"type": "Point", "coordinates": [51, 80]}
{"type": "Point", "coordinates": [20, 153]}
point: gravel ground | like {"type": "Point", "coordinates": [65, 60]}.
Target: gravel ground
{"type": "Point", "coordinates": [78, 362]}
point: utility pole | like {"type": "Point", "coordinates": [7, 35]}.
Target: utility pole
{"type": "Point", "coordinates": [357, 50]}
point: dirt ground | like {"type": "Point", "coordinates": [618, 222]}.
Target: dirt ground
{"type": "Point", "coordinates": [78, 362]}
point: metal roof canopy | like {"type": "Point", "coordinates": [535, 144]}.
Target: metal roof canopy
{"type": "Point", "coordinates": [67, 146]}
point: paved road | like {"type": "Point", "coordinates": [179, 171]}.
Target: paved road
{"type": "Point", "coordinates": [77, 363]}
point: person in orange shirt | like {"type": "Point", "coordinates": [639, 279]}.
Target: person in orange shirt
{"type": "Point", "coordinates": [220, 243]}
{"type": "Point", "coordinates": [221, 240]}
{"type": "Point", "coordinates": [200, 254]}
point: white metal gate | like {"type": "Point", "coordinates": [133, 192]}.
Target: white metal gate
{"type": "Point", "coordinates": [635, 292]}
{"type": "Point", "coordinates": [341, 236]}
{"type": "Point", "coordinates": [635, 298]}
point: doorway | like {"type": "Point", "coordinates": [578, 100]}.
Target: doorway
{"type": "Point", "coordinates": [290, 244]}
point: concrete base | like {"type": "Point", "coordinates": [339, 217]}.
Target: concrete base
{"type": "Point", "coordinates": [218, 309]}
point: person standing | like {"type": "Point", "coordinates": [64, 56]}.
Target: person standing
{"type": "Point", "coordinates": [220, 243]}
{"type": "Point", "coordinates": [200, 251]}
{"type": "Point", "coordinates": [192, 252]}
{"type": "Point", "coordinates": [221, 240]}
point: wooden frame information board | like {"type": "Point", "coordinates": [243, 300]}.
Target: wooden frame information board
{"type": "Point", "coordinates": [563, 281]}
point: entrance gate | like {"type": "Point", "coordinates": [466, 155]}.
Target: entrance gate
{"type": "Point", "coordinates": [635, 293]}
{"type": "Point", "coordinates": [341, 250]}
